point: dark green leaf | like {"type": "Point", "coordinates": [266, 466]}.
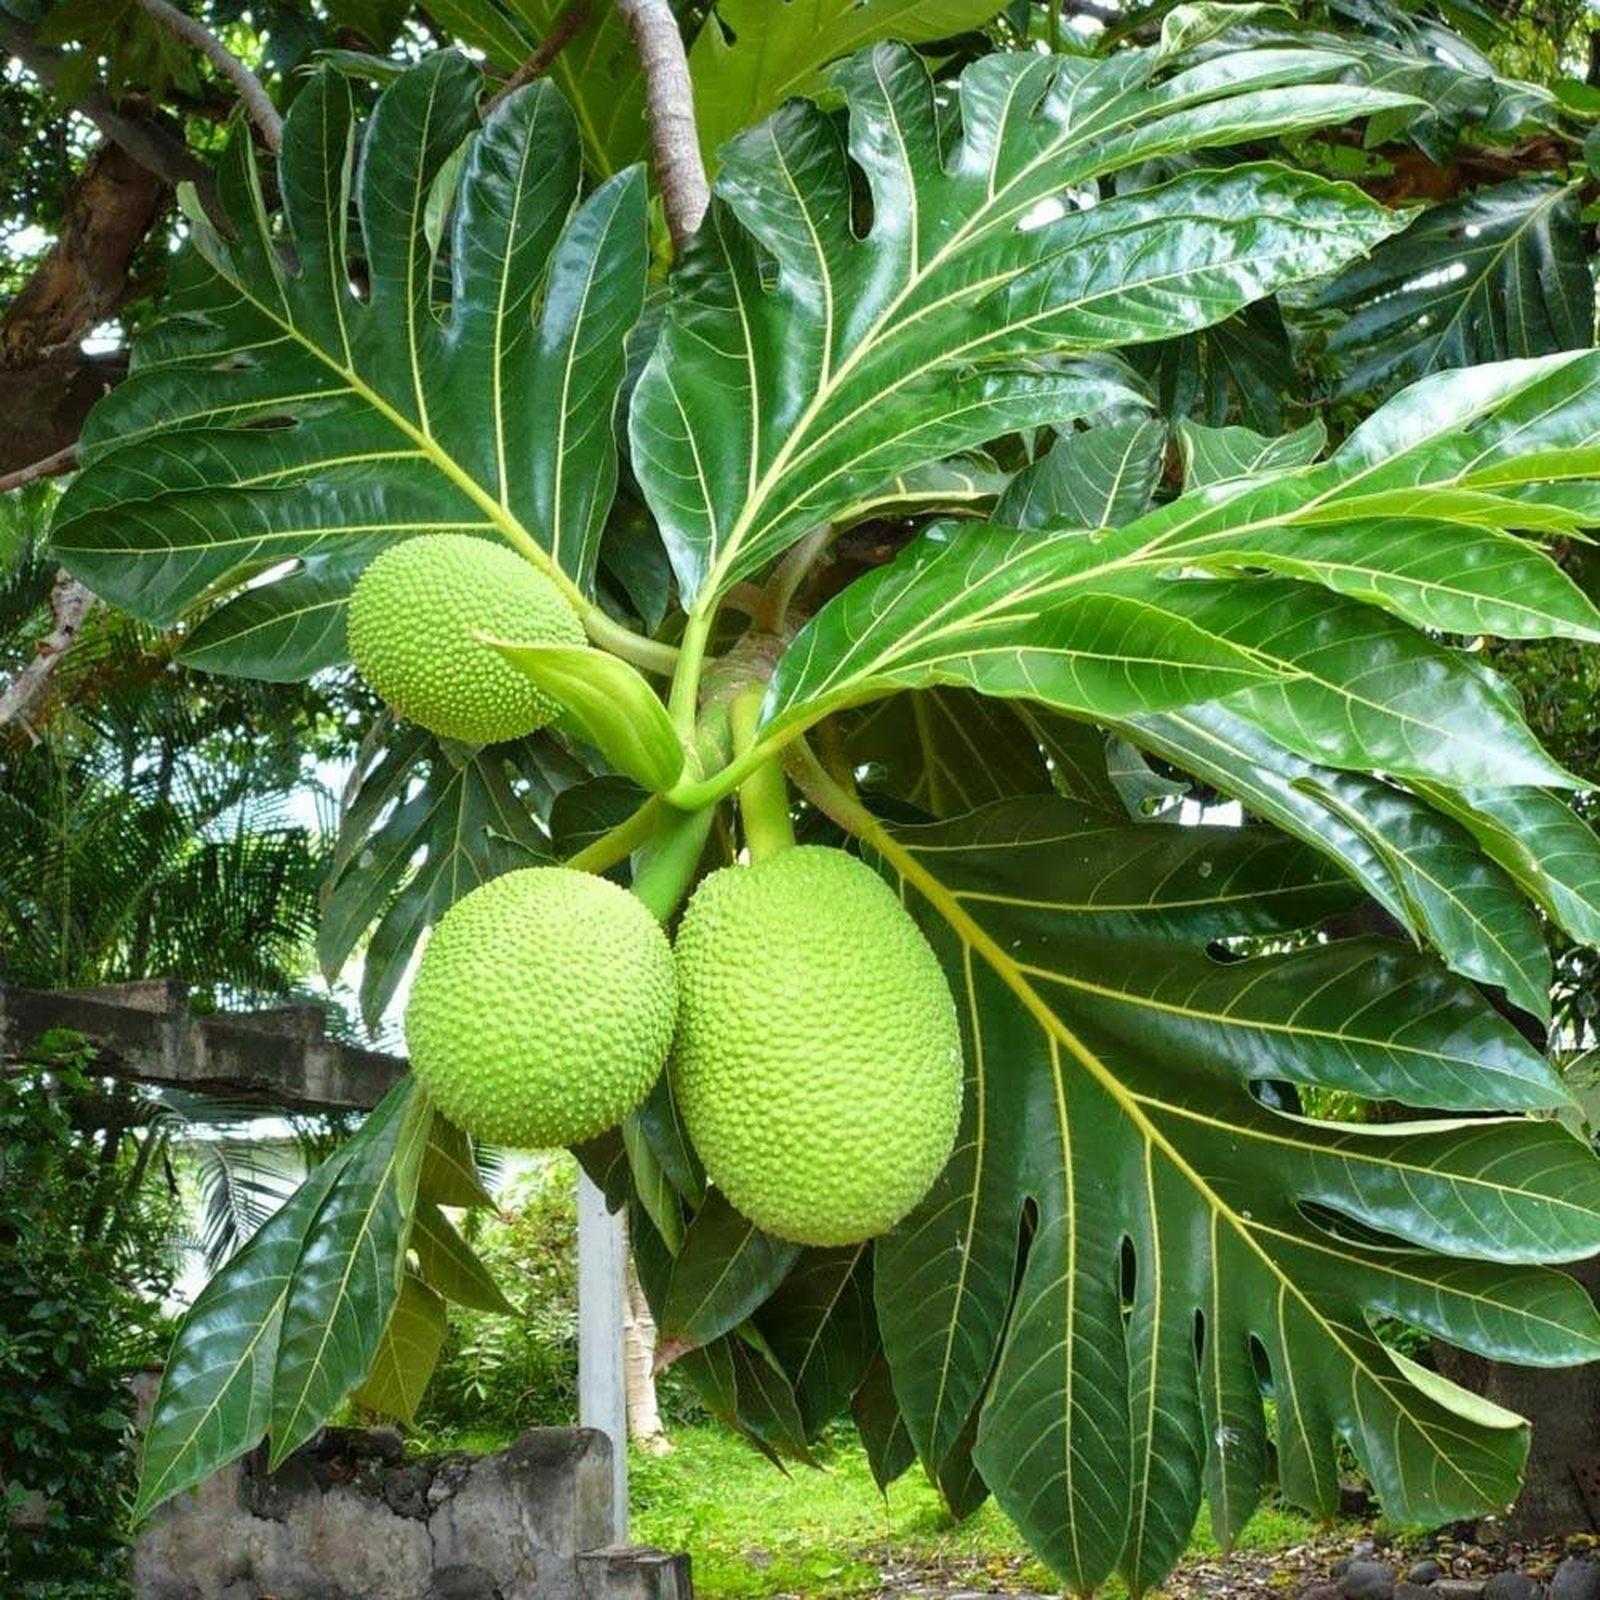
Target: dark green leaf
{"type": "Point", "coordinates": [386, 418]}
{"type": "Point", "coordinates": [347, 1278]}
{"type": "Point", "coordinates": [1499, 273]}
{"type": "Point", "coordinates": [1178, 1223]}
{"type": "Point", "coordinates": [771, 402]}
{"type": "Point", "coordinates": [449, 1264]}
{"type": "Point", "coordinates": [725, 1269]}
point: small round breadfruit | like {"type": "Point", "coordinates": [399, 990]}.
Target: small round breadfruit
{"type": "Point", "coordinates": [818, 1057]}
{"type": "Point", "coordinates": [412, 620]}
{"type": "Point", "coordinates": [542, 1009]}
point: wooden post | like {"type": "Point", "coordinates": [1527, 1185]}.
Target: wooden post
{"type": "Point", "coordinates": [602, 1303]}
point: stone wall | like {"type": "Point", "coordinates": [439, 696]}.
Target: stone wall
{"type": "Point", "coordinates": [347, 1518]}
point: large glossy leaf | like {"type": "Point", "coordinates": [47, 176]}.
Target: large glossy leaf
{"type": "Point", "coordinates": [428, 823]}
{"type": "Point", "coordinates": [801, 365]}
{"type": "Point", "coordinates": [1174, 1231]}
{"type": "Point", "coordinates": [1424, 870]}
{"type": "Point", "coordinates": [1499, 273]}
{"type": "Point", "coordinates": [751, 55]}
{"type": "Point", "coordinates": [216, 1393]}
{"type": "Point", "coordinates": [282, 427]}
{"type": "Point", "coordinates": [1402, 529]}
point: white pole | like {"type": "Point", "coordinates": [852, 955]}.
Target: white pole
{"type": "Point", "coordinates": [602, 1303]}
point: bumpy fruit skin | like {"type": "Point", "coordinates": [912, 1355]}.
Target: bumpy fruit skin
{"type": "Point", "coordinates": [818, 1057]}
{"type": "Point", "coordinates": [411, 622]}
{"type": "Point", "coordinates": [543, 1008]}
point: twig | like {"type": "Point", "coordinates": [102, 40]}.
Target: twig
{"type": "Point", "coordinates": [70, 603]}
{"type": "Point", "coordinates": [51, 466]}
{"type": "Point", "coordinates": [669, 99]}
{"type": "Point", "coordinates": [256, 101]}
{"type": "Point", "coordinates": [562, 30]}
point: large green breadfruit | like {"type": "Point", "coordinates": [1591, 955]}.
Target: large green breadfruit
{"type": "Point", "coordinates": [411, 623]}
{"type": "Point", "coordinates": [818, 1056]}
{"type": "Point", "coordinates": [542, 1009]}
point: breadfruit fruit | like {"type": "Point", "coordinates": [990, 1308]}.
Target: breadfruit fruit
{"type": "Point", "coordinates": [542, 1009]}
{"type": "Point", "coordinates": [818, 1057]}
{"type": "Point", "coordinates": [412, 620]}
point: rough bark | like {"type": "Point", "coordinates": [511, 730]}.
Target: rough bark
{"type": "Point", "coordinates": [1561, 1492]}
{"type": "Point", "coordinates": [669, 101]}
{"type": "Point", "coordinates": [47, 383]}
{"type": "Point", "coordinates": [70, 603]}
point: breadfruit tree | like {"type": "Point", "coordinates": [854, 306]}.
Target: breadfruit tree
{"type": "Point", "coordinates": [937, 505]}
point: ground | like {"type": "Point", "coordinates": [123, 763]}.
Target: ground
{"type": "Point", "coordinates": [758, 1534]}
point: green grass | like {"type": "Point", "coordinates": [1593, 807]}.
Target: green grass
{"type": "Point", "coordinates": [754, 1531]}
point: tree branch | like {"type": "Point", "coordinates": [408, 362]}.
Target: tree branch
{"type": "Point", "coordinates": [147, 139]}
{"type": "Point", "coordinates": [562, 31]}
{"type": "Point", "coordinates": [70, 603]}
{"type": "Point", "coordinates": [257, 102]}
{"type": "Point", "coordinates": [669, 99]}
{"type": "Point", "coordinates": [52, 466]}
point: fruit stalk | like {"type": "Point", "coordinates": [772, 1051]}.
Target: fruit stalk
{"type": "Point", "coordinates": [763, 795]}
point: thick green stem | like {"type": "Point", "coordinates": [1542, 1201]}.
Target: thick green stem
{"type": "Point", "coordinates": [763, 795]}
{"type": "Point", "coordinates": [684, 700]}
{"type": "Point", "coordinates": [666, 864]}
{"type": "Point", "coordinates": [601, 854]}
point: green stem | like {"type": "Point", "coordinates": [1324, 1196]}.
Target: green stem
{"type": "Point", "coordinates": [684, 699]}
{"type": "Point", "coordinates": [699, 793]}
{"type": "Point", "coordinates": [649, 655]}
{"type": "Point", "coordinates": [763, 795]}
{"type": "Point", "coordinates": [667, 862]}
{"type": "Point", "coordinates": [601, 854]}
{"type": "Point", "coordinates": [830, 798]}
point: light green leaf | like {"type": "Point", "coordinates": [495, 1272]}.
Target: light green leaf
{"type": "Point", "coordinates": [597, 69]}
{"type": "Point", "coordinates": [407, 1353]}
{"type": "Point", "coordinates": [1213, 455]}
{"type": "Point", "coordinates": [391, 414]}
{"type": "Point", "coordinates": [1542, 842]}
{"type": "Point", "coordinates": [999, 612]}
{"type": "Point", "coordinates": [450, 1175]}
{"type": "Point", "coordinates": [751, 55]}
{"type": "Point", "coordinates": [612, 706]}
{"type": "Point", "coordinates": [800, 366]}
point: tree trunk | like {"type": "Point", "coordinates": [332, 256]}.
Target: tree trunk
{"type": "Point", "coordinates": [47, 384]}
{"type": "Point", "coordinates": [1561, 1492]}
{"type": "Point", "coordinates": [638, 1367]}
